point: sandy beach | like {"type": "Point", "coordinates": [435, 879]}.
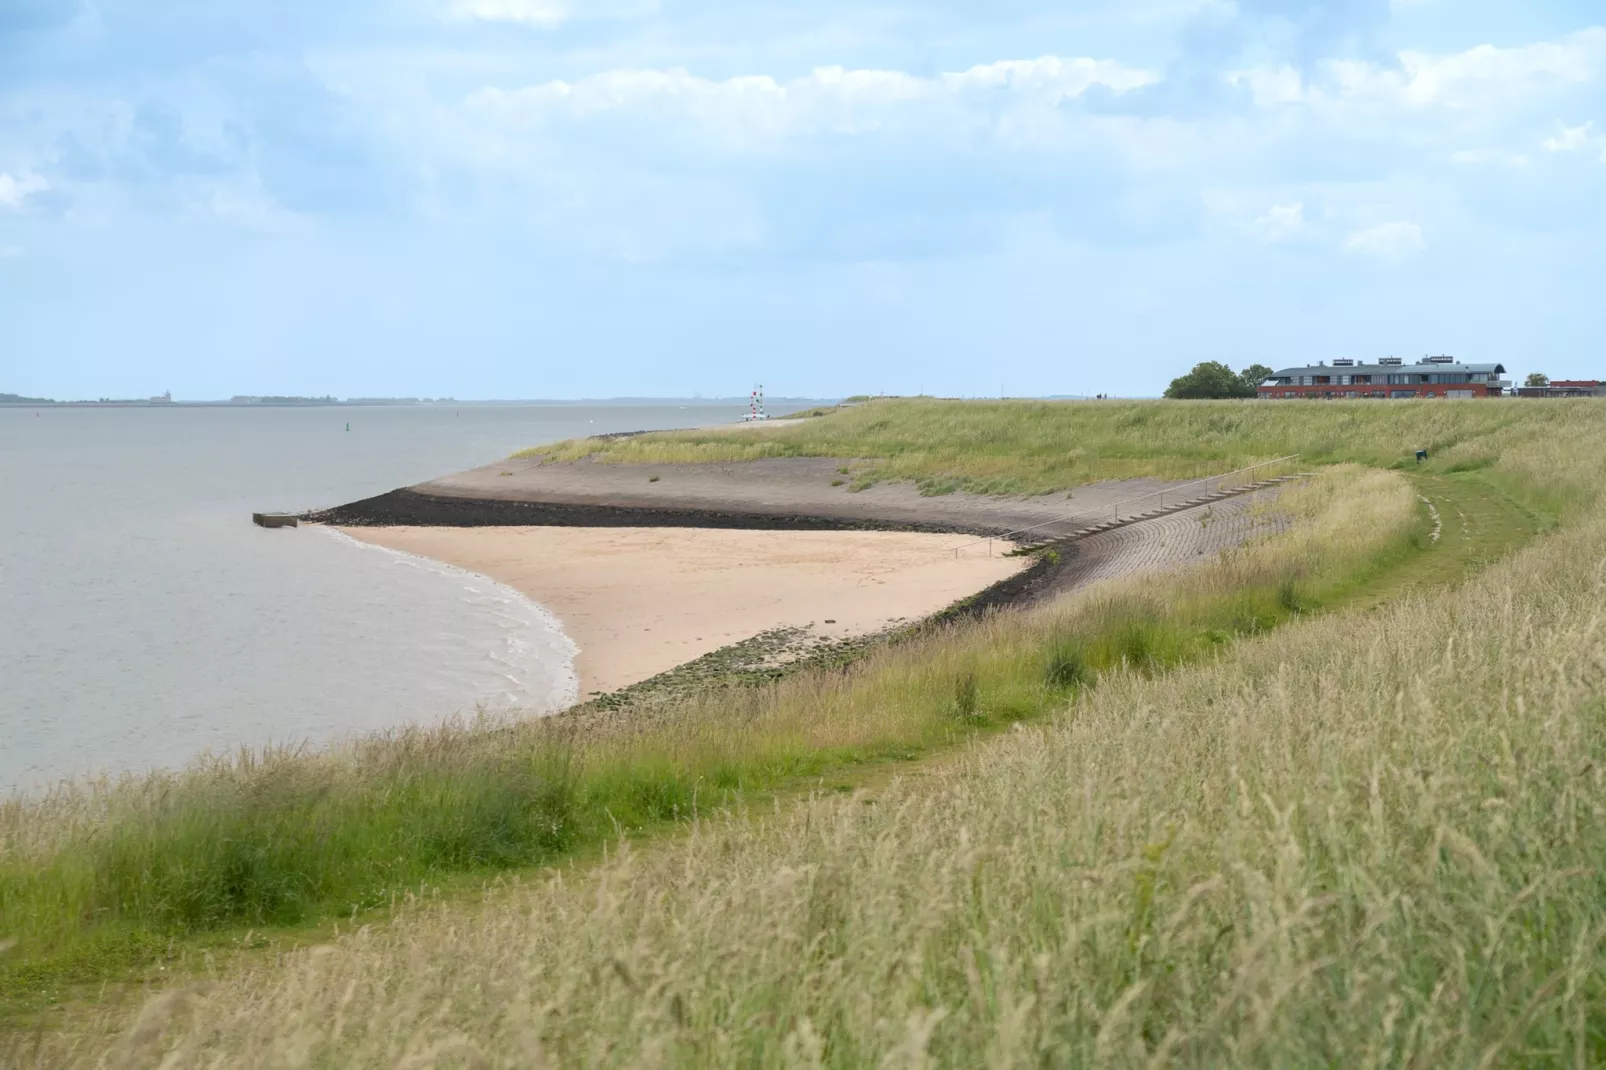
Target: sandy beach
{"type": "Point", "coordinates": [640, 601]}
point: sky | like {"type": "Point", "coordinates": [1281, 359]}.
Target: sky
{"type": "Point", "coordinates": [594, 198]}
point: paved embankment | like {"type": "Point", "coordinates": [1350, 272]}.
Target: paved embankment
{"type": "Point", "coordinates": [1171, 541]}
{"type": "Point", "coordinates": [1096, 528]}
{"type": "Point", "coordinates": [782, 493]}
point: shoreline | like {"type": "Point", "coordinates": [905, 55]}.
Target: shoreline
{"type": "Point", "coordinates": [408, 507]}
{"type": "Point", "coordinates": [652, 568]}
{"type": "Point", "coordinates": [639, 602]}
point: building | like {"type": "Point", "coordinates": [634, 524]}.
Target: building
{"type": "Point", "coordinates": [1565, 388]}
{"type": "Point", "coordinates": [1391, 377]}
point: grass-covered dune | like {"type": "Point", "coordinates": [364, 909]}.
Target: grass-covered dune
{"type": "Point", "coordinates": [1332, 797]}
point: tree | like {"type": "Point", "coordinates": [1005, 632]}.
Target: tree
{"type": "Point", "coordinates": [1253, 376]}
{"type": "Point", "coordinates": [1213, 379]}
{"type": "Point", "coordinates": [1537, 379]}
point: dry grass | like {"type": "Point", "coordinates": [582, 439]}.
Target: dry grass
{"type": "Point", "coordinates": [1374, 841]}
{"type": "Point", "coordinates": [101, 880]}
{"type": "Point", "coordinates": [1362, 838]}
{"type": "Point", "coordinates": [1040, 446]}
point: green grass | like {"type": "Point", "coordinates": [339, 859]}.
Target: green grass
{"type": "Point", "coordinates": [1481, 523]}
{"type": "Point", "coordinates": [96, 888]}
{"type": "Point", "coordinates": [1368, 838]}
{"type": "Point", "coordinates": [289, 840]}
{"type": "Point", "coordinates": [1038, 447]}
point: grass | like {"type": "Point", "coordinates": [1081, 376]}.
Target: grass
{"type": "Point", "coordinates": [1131, 864]}
{"type": "Point", "coordinates": [1038, 447]}
{"type": "Point", "coordinates": [1351, 842]}
{"type": "Point", "coordinates": [96, 886]}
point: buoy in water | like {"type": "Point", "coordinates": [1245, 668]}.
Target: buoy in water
{"type": "Point", "coordinates": [348, 427]}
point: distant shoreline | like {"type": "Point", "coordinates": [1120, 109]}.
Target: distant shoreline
{"type": "Point", "coordinates": [395, 403]}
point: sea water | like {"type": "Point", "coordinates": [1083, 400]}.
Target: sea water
{"type": "Point", "coordinates": [145, 620]}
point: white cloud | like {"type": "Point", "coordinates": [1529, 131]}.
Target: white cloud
{"type": "Point", "coordinates": [1485, 76]}
{"type": "Point", "coordinates": [1282, 223]}
{"type": "Point", "coordinates": [1490, 156]}
{"type": "Point", "coordinates": [1052, 77]}
{"type": "Point", "coordinates": [1576, 138]}
{"type": "Point", "coordinates": [533, 12]}
{"type": "Point", "coordinates": [1390, 241]}
{"type": "Point", "coordinates": [549, 13]}
{"type": "Point", "coordinates": [828, 99]}
{"type": "Point", "coordinates": [16, 189]}
{"type": "Point", "coordinates": [1271, 86]}
{"type": "Point", "coordinates": [1573, 138]}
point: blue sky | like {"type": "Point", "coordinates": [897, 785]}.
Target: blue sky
{"type": "Point", "coordinates": [572, 198]}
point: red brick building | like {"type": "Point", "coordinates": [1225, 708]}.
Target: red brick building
{"type": "Point", "coordinates": [1431, 377]}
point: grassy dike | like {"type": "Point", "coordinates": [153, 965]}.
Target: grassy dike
{"type": "Point", "coordinates": [1368, 838]}
{"type": "Point", "coordinates": [1033, 447]}
{"type": "Point", "coordinates": [93, 885]}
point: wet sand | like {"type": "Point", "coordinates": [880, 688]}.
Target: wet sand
{"type": "Point", "coordinates": [640, 601]}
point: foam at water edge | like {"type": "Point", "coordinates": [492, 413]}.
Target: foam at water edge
{"type": "Point", "coordinates": [562, 682]}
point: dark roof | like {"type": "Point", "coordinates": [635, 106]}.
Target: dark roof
{"type": "Point", "coordinates": [1387, 369]}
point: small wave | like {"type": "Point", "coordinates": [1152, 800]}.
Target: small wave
{"type": "Point", "coordinates": [536, 684]}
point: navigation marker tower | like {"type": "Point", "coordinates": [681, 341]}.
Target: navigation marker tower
{"type": "Point", "coordinates": [755, 406]}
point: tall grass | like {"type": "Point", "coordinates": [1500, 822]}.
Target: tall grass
{"type": "Point", "coordinates": [1363, 839]}
{"type": "Point", "coordinates": [91, 884]}
{"type": "Point", "coordinates": [1038, 446]}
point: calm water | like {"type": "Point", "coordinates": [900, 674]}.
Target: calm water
{"type": "Point", "coordinates": [144, 619]}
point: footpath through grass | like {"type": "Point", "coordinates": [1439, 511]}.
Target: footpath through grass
{"type": "Point", "coordinates": [97, 887]}
{"type": "Point", "coordinates": [1476, 524]}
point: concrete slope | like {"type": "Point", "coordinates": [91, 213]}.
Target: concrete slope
{"type": "Point", "coordinates": [779, 493]}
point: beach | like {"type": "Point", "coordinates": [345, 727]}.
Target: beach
{"type": "Point", "coordinates": [650, 566]}
{"type": "Point", "coordinates": [639, 601]}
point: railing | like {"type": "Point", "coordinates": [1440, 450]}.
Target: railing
{"type": "Point", "coordinates": [1181, 492]}
{"type": "Point", "coordinates": [1182, 489]}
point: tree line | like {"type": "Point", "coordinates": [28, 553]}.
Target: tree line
{"type": "Point", "coordinates": [1213, 379]}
